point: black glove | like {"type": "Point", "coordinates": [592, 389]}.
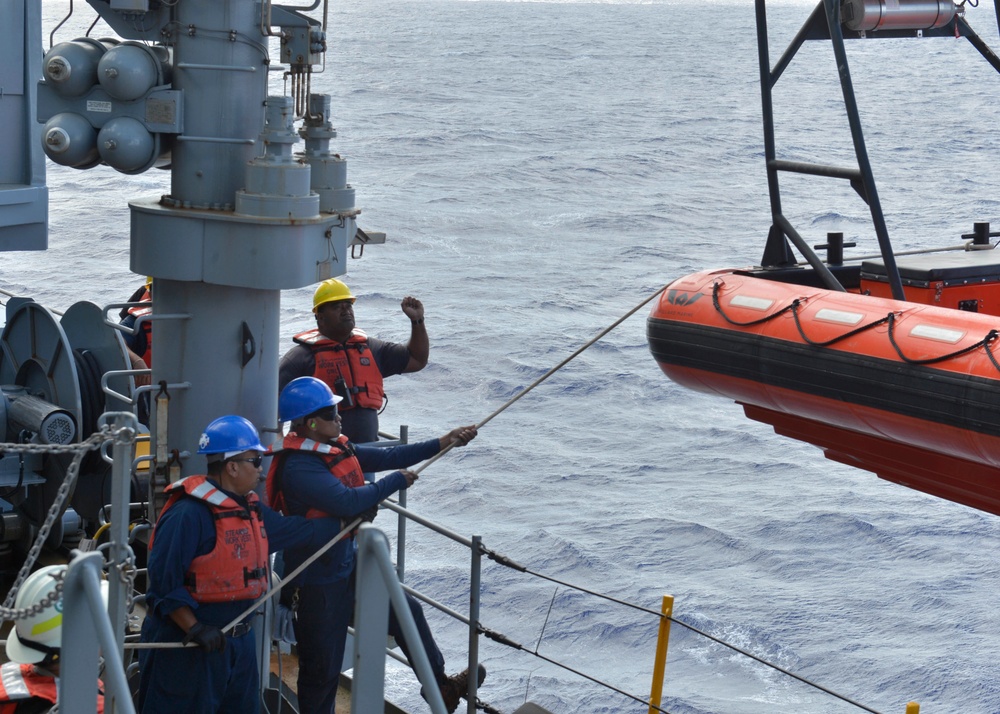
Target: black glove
{"type": "Point", "coordinates": [208, 637]}
{"type": "Point", "coordinates": [369, 515]}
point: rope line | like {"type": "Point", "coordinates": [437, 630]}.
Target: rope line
{"type": "Point", "coordinates": [545, 376]}
{"type": "Point", "coordinates": [793, 307]}
{"type": "Point", "coordinates": [989, 353]}
{"type": "Point", "coordinates": [834, 340]}
{"type": "Point", "coordinates": [288, 578]}
{"type": "Point", "coordinates": [717, 286]}
{"type": "Point", "coordinates": [990, 337]}
{"type": "Point", "coordinates": [272, 591]}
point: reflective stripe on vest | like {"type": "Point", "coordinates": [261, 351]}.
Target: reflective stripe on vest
{"type": "Point", "coordinates": [339, 458]}
{"type": "Point", "coordinates": [21, 681]}
{"type": "Point", "coordinates": [236, 567]}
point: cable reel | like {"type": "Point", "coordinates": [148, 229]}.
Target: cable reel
{"type": "Point", "coordinates": [50, 389]}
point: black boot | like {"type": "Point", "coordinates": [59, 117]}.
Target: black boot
{"type": "Point", "coordinates": [457, 686]}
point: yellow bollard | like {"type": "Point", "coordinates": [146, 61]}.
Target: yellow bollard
{"type": "Point", "coordinates": [912, 708]}
{"type": "Point", "coordinates": [660, 664]}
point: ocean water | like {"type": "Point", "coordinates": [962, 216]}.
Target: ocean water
{"type": "Point", "coordinates": [543, 167]}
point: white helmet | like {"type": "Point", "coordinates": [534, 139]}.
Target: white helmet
{"type": "Point", "coordinates": [33, 638]}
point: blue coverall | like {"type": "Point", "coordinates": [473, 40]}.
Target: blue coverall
{"type": "Point", "coordinates": [190, 680]}
{"type": "Point", "coordinates": [326, 588]}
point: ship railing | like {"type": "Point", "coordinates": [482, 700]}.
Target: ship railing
{"type": "Point", "coordinates": [87, 630]}
{"type": "Point", "coordinates": [136, 327]}
{"type": "Point", "coordinates": [965, 246]}
{"type": "Point", "coordinates": [471, 620]}
{"type": "Point", "coordinates": [662, 619]}
{"type": "Point", "coordinates": [377, 586]}
{"type": "Point", "coordinates": [88, 622]}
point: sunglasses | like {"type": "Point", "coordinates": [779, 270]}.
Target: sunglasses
{"type": "Point", "coordinates": [326, 415]}
{"type": "Point", "coordinates": [256, 461]}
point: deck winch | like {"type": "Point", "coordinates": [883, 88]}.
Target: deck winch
{"type": "Point", "coordinates": [49, 423]}
{"type": "Point", "coordinates": [53, 381]}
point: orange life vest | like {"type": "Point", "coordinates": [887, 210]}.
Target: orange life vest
{"type": "Point", "coordinates": [339, 458]}
{"type": "Point", "coordinates": [352, 361]}
{"type": "Point", "coordinates": [146, 327]}
{"type": "Point", "coordinates": [19, 682]}
{"type": "Point", "coordinates": [236, 568]}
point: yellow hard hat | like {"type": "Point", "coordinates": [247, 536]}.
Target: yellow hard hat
{"type": "Point", "coordinates": [331, 290]}
{"type": "Point", "coordinates": [149, 280]}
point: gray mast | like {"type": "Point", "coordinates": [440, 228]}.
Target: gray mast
{"type": "Point", "coordinates": [241, 221]}
{"type": "Point", "coordinates": [23, 194]}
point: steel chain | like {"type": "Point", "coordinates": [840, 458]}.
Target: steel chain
{"type": "Point", "coordinates": [93, 442]}
{"type": "Point", "coordinates": [127, 572]}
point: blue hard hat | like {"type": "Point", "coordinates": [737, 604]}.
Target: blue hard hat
{"type": "Point", "coordinates": [229, 434]}
{"type": "Point", "coordinates": [304, 396]}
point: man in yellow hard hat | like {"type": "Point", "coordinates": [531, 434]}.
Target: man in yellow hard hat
{"type": "Point", "coordinates": [351, 363]}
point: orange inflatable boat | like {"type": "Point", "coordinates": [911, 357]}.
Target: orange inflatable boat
{"type": "Point", "coordinates": [910, 391]}
{"type": "Point", "coordinates": [890, 364]}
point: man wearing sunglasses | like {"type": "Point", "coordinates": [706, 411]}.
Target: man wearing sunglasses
{"type": "Point", "coordinates": [317, 472]}
{"type": "Point", "coordinates": [207, 564]}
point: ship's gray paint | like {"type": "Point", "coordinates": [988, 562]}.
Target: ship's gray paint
{"type": "Point", "coordinates": [24, 198]}
{"type": "Point", "coordinates": [244, 218]}
{"type": "Point", "coordinates": [240, 223]}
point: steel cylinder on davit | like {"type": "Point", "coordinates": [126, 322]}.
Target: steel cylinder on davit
{"type": "Point", "coordinates": [868, 15]}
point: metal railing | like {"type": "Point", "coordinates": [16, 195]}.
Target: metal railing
{"type": "Point", "coordinates": [377, 586]}
{"type": "Point", "coordinates": [87, 628]}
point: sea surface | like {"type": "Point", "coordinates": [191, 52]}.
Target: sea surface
{"type": "Point", "coordinates": [540, 169]}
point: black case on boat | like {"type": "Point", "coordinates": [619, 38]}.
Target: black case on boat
{"type": "Point", "coordinates": [966, 280]}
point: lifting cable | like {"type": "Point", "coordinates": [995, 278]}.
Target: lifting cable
{"type": "Point", "coordinates": [545, 376]}
{"type": "Point", "coordinates": [497, 637]}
